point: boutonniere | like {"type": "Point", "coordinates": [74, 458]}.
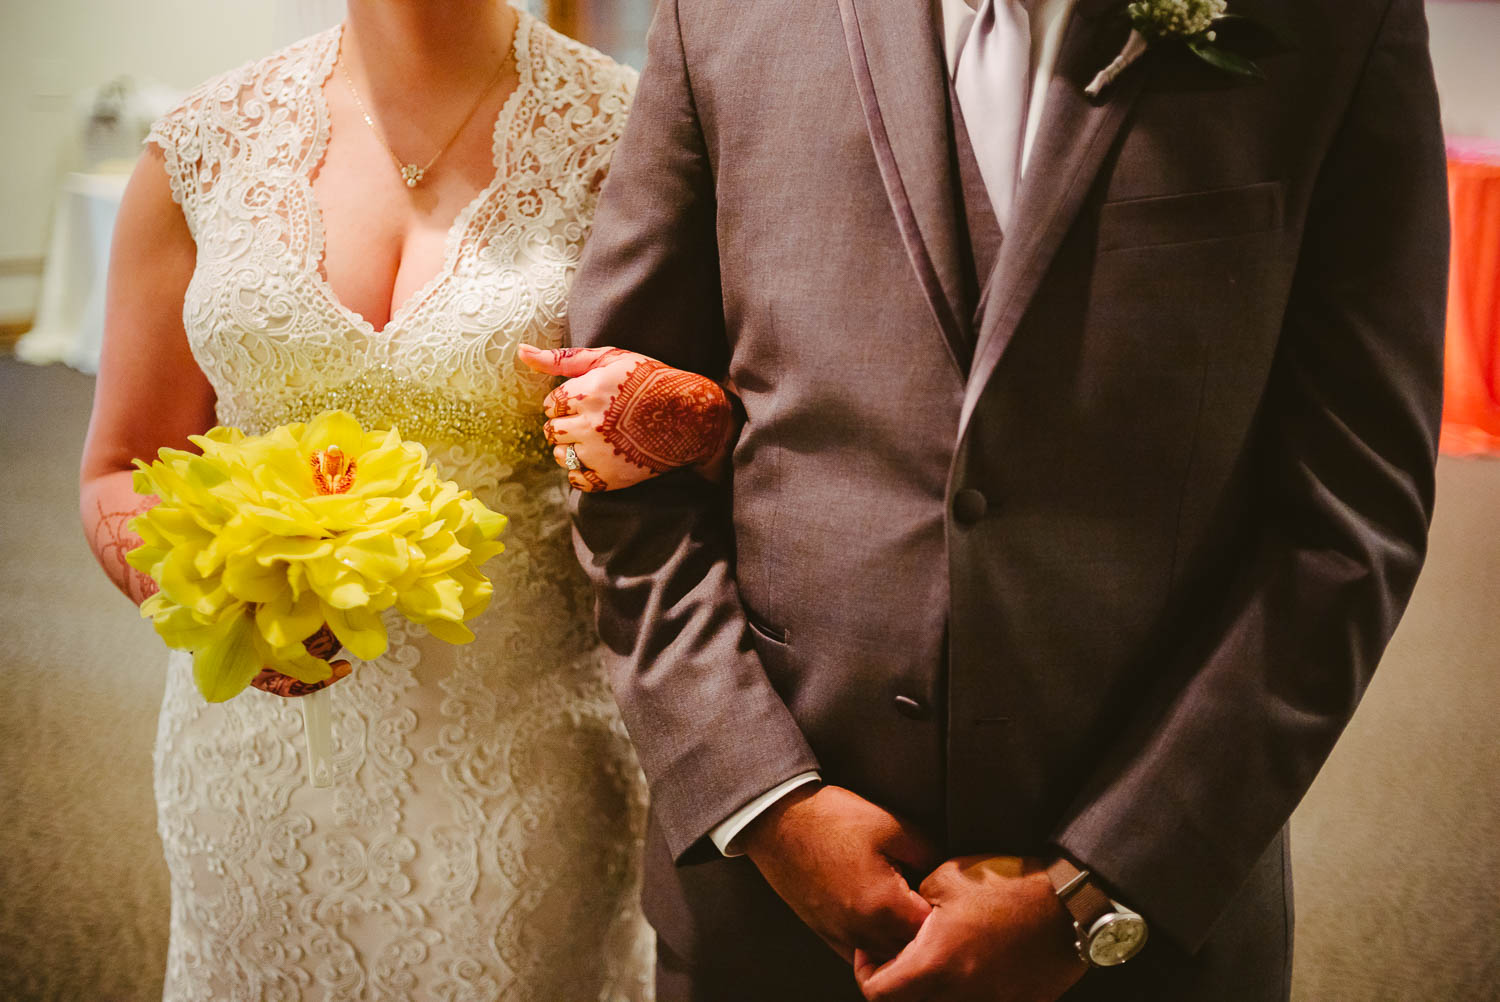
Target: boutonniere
{"type": "Point", "coordinates": [1191, 22]}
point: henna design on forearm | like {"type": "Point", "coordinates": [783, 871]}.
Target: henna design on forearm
{"type": "Point", "coordinates": [111, 540]}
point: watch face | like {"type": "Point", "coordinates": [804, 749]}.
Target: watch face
{"type": "Point", "coordinates": [1116, 939]}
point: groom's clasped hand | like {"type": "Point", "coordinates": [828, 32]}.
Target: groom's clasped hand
{"type": "Point", "coordinates": [836, 859]}
{"type": "Point", "coordinates": [979, 928]}
{"type": "Point", "coordinates": [996, 933]}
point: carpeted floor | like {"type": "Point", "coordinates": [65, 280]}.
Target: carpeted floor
{"type": "Point", "coordinates": [83, 889]}
{"type": "Point", "coordinates": [1397, 848]}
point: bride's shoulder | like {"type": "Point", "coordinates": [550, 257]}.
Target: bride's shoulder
{"type": "Point", "coordinates": [580, 73]}
{"type": "Point", "coordinates": [235, 97]}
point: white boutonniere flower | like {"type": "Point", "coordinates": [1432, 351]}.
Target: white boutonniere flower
{"type": "Point", "coordinates": [1191, 22]}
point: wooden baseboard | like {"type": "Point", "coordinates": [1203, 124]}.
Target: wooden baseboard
{"type": "Point", "coordinates": [10, 333]}
{"type": "Point", "coordinates": [21, 267]}
{"type": "Point", "coordinates": [13, 326]}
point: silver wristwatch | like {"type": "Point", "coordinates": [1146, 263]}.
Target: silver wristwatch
{"type": "Point", "coordinates": [1106, 934]}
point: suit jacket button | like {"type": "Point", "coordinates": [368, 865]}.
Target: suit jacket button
{"type": "Point", "coordinates": [969, 506]}
{"type": "Point", "coordinates": [910, 708]}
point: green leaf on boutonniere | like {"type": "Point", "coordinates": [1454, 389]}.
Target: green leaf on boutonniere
{"type": "Point", "coordinates": [1191, 22]}
{"type": "Point", "coordinates": [1224, 59]}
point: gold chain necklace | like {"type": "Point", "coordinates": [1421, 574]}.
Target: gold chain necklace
{"type": "Point", "coordinates": [410, 172]}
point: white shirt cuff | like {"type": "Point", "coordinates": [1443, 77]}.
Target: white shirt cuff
{"type": "Point", "coordinates": [724, 834]}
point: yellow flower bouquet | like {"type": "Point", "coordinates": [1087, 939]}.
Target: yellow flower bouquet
{"type": "Point", "coordinates": [259, 541]}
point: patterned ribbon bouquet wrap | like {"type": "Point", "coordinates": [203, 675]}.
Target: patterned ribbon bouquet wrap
{"type": "Point", "coordinates": [261, 541]}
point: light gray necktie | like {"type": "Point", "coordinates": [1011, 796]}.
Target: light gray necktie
{"type": "Point", "coordinates": [993, 84]}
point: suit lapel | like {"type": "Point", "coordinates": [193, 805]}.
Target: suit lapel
{"type": "Point", "coordinates": [1071, 144]}
{"type": "Point", "coordinates": [900, 74]}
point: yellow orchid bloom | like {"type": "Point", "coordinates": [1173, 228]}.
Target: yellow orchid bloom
{"type": "Point", "coordinates": [260, 540]}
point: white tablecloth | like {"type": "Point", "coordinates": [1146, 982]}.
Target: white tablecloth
{"type": "Point", "coordinates": [70, 317]}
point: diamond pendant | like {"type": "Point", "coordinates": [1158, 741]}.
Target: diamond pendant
{"type": "Point", "coordinates": [412, 174]}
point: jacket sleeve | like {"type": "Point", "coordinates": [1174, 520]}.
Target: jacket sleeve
{"type": "Point", "coordinates": [711, 732]}
{"type": "Point", "coordinates": [1200, 783]}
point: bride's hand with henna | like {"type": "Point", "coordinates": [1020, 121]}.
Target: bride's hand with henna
{"type": "Point", "coordinates": [322, 645]}
{"type": "Point", "coordinates": [629, 418]}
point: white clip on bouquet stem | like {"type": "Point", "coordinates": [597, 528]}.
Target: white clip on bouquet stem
{"type": "Point", "coordinates": [262, 540]}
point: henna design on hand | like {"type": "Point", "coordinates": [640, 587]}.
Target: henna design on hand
{"type": "Point", "coordinates": [587, 480]}
{"type": "Point", "coordinates": [663, 418]}
{"type": "Point", "coordinates": [563, 354]}
{"type": "Point", "coordinates": [322, 645]}
{"type": "Point", "coordinates": [558, 404]}
{"type": "Point", "coordinates": [277, 684]}
{"type": "Point", "coordinates": [113, 539]}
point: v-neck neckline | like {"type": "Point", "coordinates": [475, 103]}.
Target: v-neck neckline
{"type": "Point", "coordinates": [452, 245]}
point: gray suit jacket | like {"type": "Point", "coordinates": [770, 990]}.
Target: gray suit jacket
{"type": "Point", "coordinates": [1104, 565]}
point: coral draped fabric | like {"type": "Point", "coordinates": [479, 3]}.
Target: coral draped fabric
{"type": "Point", "coordinates": [1471, 408]}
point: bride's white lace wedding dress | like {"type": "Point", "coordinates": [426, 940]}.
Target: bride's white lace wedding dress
{"type": "Point", "coordinates": [481, 841]}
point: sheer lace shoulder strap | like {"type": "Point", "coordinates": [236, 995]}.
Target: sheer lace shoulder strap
{"type": "Point", "coordinates": [179, 136]}
{"type": "Point", "coordinates": [240, 118]}
{"type": "Point", "coordinates": [593, 97]}
{"type": "Point", "coordinates": [613, 107]}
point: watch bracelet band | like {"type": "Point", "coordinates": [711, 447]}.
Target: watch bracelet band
{"type": "Point", "coordinates": [1085, 901]}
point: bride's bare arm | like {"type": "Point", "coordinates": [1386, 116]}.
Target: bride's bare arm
{"type": "Point", "coordinates": [629, 417]}
{"type": "Point", "coordinates": [150, 392]}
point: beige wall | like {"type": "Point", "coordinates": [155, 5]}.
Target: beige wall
{"type": "Point", "coordinates": [51, 50]}
{"type": "Point", "coordinates": [1466, 55]}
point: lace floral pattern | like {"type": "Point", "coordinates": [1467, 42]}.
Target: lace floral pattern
{"type": "Point", "coordinates": [482, 839]}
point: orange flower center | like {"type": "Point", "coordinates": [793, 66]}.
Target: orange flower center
{"type": "Point", "coordinates": [332, 471]}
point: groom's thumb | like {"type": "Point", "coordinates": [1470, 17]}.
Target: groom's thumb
{"type": "Point", "coordinates": [565, 362]}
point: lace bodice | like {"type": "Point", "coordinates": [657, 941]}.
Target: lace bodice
{"type": "Point", "coordinates": [481, 841]}
{"type": "Point", "coordinates": [277, 344]}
